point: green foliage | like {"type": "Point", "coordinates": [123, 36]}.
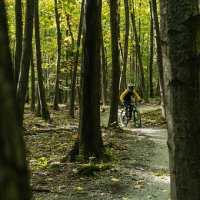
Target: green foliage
{"type": "Point", "coordinates": [92, 168]}
{"type": "Point", "coordinates": [71, 8]}
{"type": "Point", "coordinates": [39, 163]}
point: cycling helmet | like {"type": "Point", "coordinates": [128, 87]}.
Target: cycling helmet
{"type": "Point", "coordinates": [130, 86]}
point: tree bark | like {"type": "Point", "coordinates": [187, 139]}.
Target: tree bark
{"type": "Point", "coordinates": [44, 109]}
{"type": "Point", "coordinates": [14, 173]}
{"type": "Point", "coordinates": [74, 75]}
{"type": "Point", "coordinates": [91, 143]}
{"type": "Point", "coordinates": [159, 54]}
{"type": "Point", "coordinates": [19, 39]}
{"type": "Point", "coordinates": [59, 46]}
{"type": "Point", "coordinates": [25, 61]}
{"type": "Point", "coordinates": [114, 22]}
{"type": "Point", "coordinates": [180, 36]}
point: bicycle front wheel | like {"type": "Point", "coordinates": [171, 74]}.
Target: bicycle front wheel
{"type": "Point", "coordinates": [137, 119]}
{"type": "Point", "coordinates": [123, 118]}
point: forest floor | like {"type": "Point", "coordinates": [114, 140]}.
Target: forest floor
{"type": "Point", "coordinates": [138, 169]}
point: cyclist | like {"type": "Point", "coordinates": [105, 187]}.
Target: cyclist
{"type": "Point", "coordinates": [127, 97]}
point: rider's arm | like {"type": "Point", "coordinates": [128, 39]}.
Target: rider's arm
{"type": "Point", "coordinates": [137, 96]}
{"type": "Point", "coordinates": [123, 95]}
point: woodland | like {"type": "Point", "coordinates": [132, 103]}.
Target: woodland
{"type": "Point", "coordinates": [64, 65]}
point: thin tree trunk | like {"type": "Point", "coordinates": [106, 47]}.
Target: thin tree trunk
{"type": "Point", "coordinates": [69, 77]}
{"type": "Point", "coordinates": [59, 46]}
{"type": "Point", "coordinates": [159, 54]}
{"type": "Point", "coordinates": [19, 39]}
{"type": "Point", "coordinates": [44, 108]}
{"type": "Point", "coordinates": [38, 113]}
{"type": "Point", "coordinates": [137, 43]}
{"type": "Point", "coordinates": [123, 83]}
{"type": "Point", "coordinates": [32, 85]}
{"type": "Point", "coordinates": [121, 51]}
{"type": "Point", "coordinates": [74, 75]}
{"type": "Point", "coordinates": [14, 172]}
{"type": "Point", "coordinates": [70, 30]}
{"type": "Point", "coordinates": [133, 57]}
{"type": "Point", "coordinates": [103, 71]}
{"type": "Point", "coordinates": [91, 143]}
{"type": "Point", "coordinates": [25, 61]}
{"type": "Point", "coordinates": [114, 21]}
{"type": "Point", "coordinates": [150, 67]}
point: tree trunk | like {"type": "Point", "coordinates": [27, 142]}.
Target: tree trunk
{"type": "Point", "coordinates": [32, 85]}
{"type": "Point", "coordinates": [19, 39]}
{"type": "Point", "coordinates": [74, 75]}
{"type": "Point", "coordinates": [59, 46]}
{"type": "Point", "coordinates": [25, 61]}
{"type": "Point", "coordinates": [151, 45]}
{"type": "Point", "coordinates": [69, 75]}
{"type": "Point", "coordinates": [38, 112]}
{"type": "Point", "coordinates": [138, 52]}
{"type": "Point", "coordinates": [114, 21]}
{"type": "Point", "coordinates": [14, 172]}
{"type": "Point", "coordinates": [133, 57]}
{"type": "Point", "coordinates": [44, 108]}
{"type": "Point", "coordinates": [91, 143]}
{"type": "Point", "coordinates": [121, 51]}
{"type": "Point", "coordinates": [70, 30]}
{"type": "Point", "coordinates": [103, 71]}
{"type": "Point", "coordinates": [179, 25]}
{"type": "Point", "coordinates": [159, 54]}
{"type": "Point", "coordinates": [123, 83]}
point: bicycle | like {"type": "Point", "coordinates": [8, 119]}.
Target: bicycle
{"type": "Point", "coordinates": [134, 114]}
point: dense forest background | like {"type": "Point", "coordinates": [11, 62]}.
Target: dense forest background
{"type": "Point", "coordinates": [69, 18]}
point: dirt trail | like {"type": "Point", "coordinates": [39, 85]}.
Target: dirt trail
{"type": "Point", "coordinates": [153, 167]}
{"type": "Point", "coordinates": [152, 160]}
{"type": "Point", "coordinates": [139, 163]}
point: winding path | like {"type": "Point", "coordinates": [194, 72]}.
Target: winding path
{"type": "Point", "coordinates": [153, 168]}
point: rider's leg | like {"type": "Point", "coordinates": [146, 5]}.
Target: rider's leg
{"type": "Point", "coordinates": [128, 110]}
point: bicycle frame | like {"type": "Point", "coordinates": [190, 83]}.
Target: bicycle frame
{"type": "Point", "coordinates": [134, 114]}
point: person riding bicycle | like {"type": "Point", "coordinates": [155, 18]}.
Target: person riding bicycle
{"type": "Point", "coordinates": [127, 97]}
